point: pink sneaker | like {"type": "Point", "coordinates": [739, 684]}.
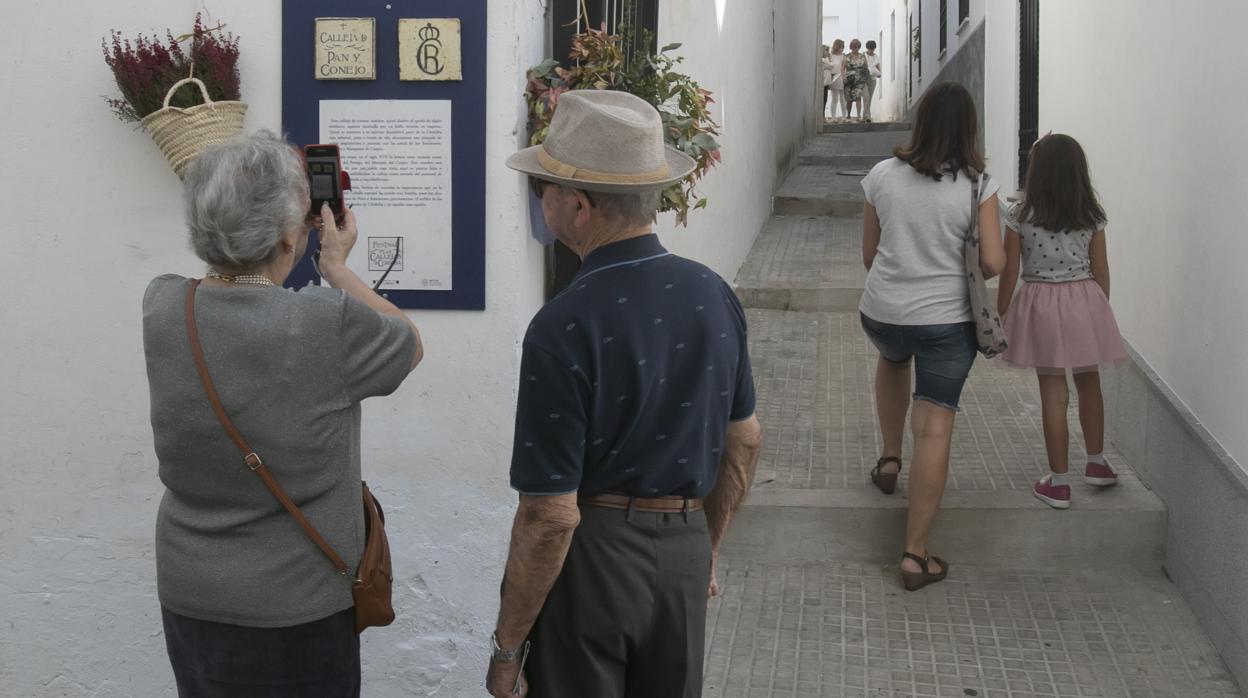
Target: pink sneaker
{"type": "Point", "coordinates": [1056, 496]}
{"type": "Point", "coordinates": [1100, 475]}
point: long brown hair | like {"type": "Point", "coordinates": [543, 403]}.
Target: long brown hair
{"type": "Point", "coordinates": [946, 132]}
{"type": "Point", "coordinates": [1059, 194]}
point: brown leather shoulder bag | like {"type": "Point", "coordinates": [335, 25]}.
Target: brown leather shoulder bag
{"type": "Point", "coordinates": [374, 577]}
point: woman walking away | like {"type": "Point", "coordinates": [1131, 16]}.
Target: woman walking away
{"type": "Point", "coordinates": [916, 308]}
{"type": "Point", "coordinates": [251, 607]}
{"type": "Point", "coordinates": [836, 64]}
{"type": "Point", "coordinates": [1060, 319]}
{"type": "Point", "coordinates": [856, 75]}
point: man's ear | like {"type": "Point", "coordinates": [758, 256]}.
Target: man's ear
{"type": "Point", "coordinates": [583, 207]}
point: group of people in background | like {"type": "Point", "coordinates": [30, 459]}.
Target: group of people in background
{"type": "Point", "coordinates": [850, 79]}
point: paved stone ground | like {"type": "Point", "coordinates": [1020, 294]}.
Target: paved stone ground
{"type": "Point", "coordinates": [806, 252]}
{"type": "Point", "coordinates": [821, 182]}
{"type": "Point", "coordinates": [814, 372]}
{"type": "Point", "coordinates": [847, 630]}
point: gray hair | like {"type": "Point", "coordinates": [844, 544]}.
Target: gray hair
{"type": "Point", "coordinates": [241, 196]}
{"type": "Point", "coordinates": [631, 210]}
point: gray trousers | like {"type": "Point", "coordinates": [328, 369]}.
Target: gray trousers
{"type": "Point", "coordinates": [627, 615]}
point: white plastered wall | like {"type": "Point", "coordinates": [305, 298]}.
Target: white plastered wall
{"type": "Point", "coordinates": [1171, 177]}
{"type": "Point", "coordinates": [891, 104]}
{"type": "Point", "coordinates": [1000, 76]}
{"type": "Point", "coordinates": [854, 19]}
{"type": "Point", "coordinates": [94, 213]}
{"type": "Point", "coordinates": [1001, 94]}
{"type": "Point", "coordinates": [760, 61]}
{"type": "Point", "coordinates": [933, 61]}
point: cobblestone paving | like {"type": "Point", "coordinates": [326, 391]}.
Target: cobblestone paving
{"type": "Point", "coordinates": [806, 252]}
{"type": "Point", "coordinates": [849, 630]}
{"type": "Point", "coordinates": [813, 373]}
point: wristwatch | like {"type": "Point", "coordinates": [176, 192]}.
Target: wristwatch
{"type": "Point", "coordinates": [502, 656]}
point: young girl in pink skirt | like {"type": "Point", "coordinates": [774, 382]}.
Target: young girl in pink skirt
{"type": "Point", "coordinates": [1060, 320]}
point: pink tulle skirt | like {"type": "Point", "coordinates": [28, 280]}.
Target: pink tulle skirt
{"type": "Point", "coordinates": [1055, 327]}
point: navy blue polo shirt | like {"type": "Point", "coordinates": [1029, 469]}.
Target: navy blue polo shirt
{"type": "Point", "coordinates": [629, 378]}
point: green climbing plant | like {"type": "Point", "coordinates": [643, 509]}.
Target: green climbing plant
{"type": "Point", "coordinates": [600, 61]}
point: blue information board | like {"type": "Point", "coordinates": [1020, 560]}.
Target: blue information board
{"type": "Point", "coordinates": [302, 94]}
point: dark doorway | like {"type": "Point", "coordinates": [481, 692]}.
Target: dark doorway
{"type": "Point", "coordinates": [1029, 82]}
{"type": "Point", "coordinates": [632, 16]}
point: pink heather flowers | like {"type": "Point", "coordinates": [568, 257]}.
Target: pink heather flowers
{"type": "Point", "coordinates": [147, 68]}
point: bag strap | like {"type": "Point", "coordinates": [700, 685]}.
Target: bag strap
{"type": "Point", "coordinates": [973, 232]}
{"type": "Point", "coordinates": [249, 456]}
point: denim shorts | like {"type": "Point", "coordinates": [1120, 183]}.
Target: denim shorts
{"type": "Point", "coordinates": [942, 355]}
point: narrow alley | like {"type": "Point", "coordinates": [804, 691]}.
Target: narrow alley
{"type": "Point", "coordinates": [1038, 602]}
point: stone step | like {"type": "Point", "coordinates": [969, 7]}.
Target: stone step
{"type": "Point", "coordinates": [809, 263]}
{"type": "Point", "coordinates": [814, 190]}
{"type": "Point", "coordinates": [1120, 529]}
{"type": "Point", "coordinates": [873, 127]}
{"type": "Point", "coordinates": [877, 144]}
{"type": "Point", "coordinates": [841, 163]}
{"type": "Point", "coordinates": [813, 501]}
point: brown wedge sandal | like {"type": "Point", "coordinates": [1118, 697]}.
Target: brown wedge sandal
{"type": "Point", "coordinates": [913, 581]}
{"type": "Point", "coordinates": [887, 482]}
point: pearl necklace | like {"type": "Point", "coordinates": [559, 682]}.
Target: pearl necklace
{"type": "Point", "coordinates": [254, 279]}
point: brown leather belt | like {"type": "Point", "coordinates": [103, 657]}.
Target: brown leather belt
{"type": "Point", "coordinates": [660, 505]}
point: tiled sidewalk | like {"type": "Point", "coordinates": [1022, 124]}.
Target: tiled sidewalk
{"type": "Point", "coordinates": [818, 182]}
{"type": "Point", "coordinates": [814, 372]}
{"type": "Point", "coordinates": [847, 630]}
{"type": "Point", "coordinates": [806, 252]}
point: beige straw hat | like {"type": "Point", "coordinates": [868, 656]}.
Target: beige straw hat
{"type": "Point", "coordinates": [604, 140]}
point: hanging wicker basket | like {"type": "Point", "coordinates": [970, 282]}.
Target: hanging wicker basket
{"type": "Point", "coordinates": [183, 133]}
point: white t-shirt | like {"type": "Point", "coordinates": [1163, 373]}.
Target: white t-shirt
{"type": "Point", "coordinates": [834, 64]}
{"type": "Point", "coordinates": [919, 273]}
{"type": "Point", "coordinates": [873, 64]}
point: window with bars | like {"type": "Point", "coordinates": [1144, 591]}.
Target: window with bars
{"type": "Point", "coordinates": [636, 17]}
{"type": "Point", "coordinates": [944, 25]}
{"type": "Point", "coordinates": [964, 11]}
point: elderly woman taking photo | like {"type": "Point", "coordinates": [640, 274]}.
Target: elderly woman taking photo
{"type": "Point", "coordinates": [916, 306]}
{"type": "Point", "coordinates": [250, 605]}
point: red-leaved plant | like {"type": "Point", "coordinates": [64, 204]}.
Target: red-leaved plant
{"type": "Point", "coordinates": [599, 62]}
{"type": "Point", "coordinates": [147, 68]}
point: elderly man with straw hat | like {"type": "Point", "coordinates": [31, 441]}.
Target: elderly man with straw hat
{"type": "Point", "coordinates": [635, 439]}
